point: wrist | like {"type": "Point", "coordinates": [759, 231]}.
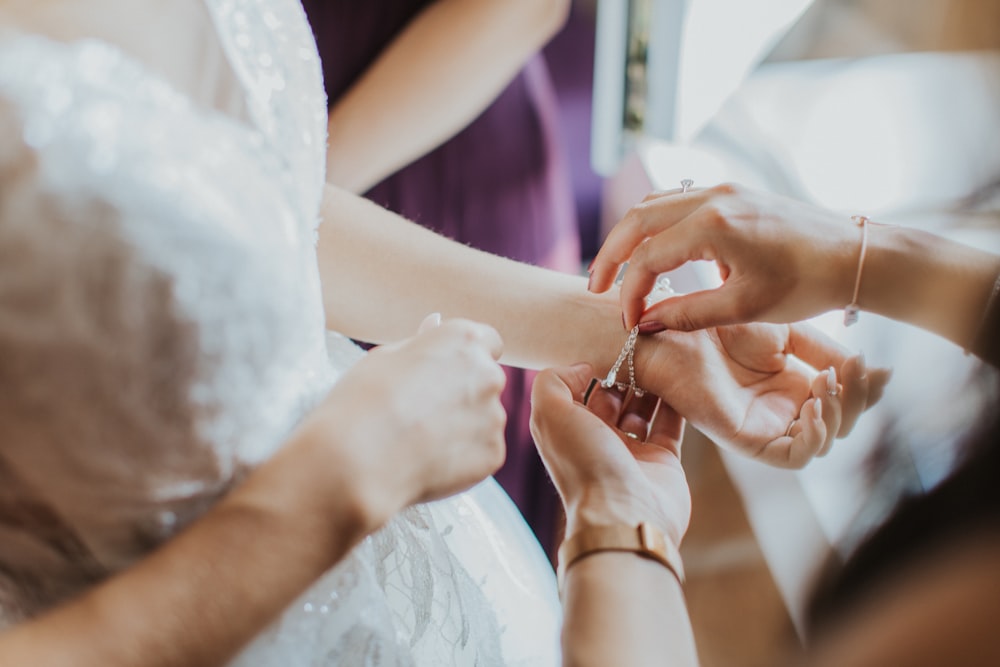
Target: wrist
{"type": "Point", "coordinates": [599, 508]}
{"type": "Point", "coordinates": [837, 261]}
{"type": "Point", "coordinates": [343, 469]}
{"type": "Point", "coordinates": [642, 539]}
{"type": "Point", "coordinates": [928, 281]}
{"type": "Point", "coordinates": [600, 327]}
{"type": "Point", "coordinates": [297, 494]}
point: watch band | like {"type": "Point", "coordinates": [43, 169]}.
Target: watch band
{"type": "Point", "coordinates": [644, 540]}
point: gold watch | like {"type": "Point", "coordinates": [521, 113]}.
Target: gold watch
{"type": "Point", "coordinates": [644, 540]}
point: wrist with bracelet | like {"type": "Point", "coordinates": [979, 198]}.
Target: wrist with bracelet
{"type": "Point", "coordinates": [643, 539]}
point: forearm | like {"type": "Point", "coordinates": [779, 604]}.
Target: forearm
{"type": "Point", "coordinates": [622, 609]}
{"type": "Point", "coordinates": [927, 281]}
{"type": "Point", "coordinates": [440, 73]}
{"type": "Point", "coordinates": [382, 275]}
{"type": "Point", "coordinates": [206, 593]}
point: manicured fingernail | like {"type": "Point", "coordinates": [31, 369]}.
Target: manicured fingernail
{"type": "Point", "coordinates": [590, 267]}
{"type": "Point", "coordinates": [432, 321]}
{"type": "Point", "coordinates": [819, 409]}
{"type": "Point", "coordinates": [831, 381]}
{"type": "Point", "coordinates": [650, 328]}
{"type": "Point", "coordinates": [590, 283]}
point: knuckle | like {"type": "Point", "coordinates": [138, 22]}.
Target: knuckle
{"type": "Point", "coordinates": [633, 216]}
{"type": "Point", "coordinates": [640, 256]}
{"type": "Point", "coordinates": [684, 321]}
{"type": "Point", "coordinates": [496, 449]}
{"type": "Point", "coordinates": [654, 194]}
{"type": "Point", "coordinates": [728, 190]}
{"type": "Point", "coordinates": [497, 380]}
{"type": "Point", "coordinates": [646, 220]}
{"type": "Point", "coordinates": [743, 309]}
{"type": "Point", "coordinates": [716, 218]}
{"type": "Point", "coordinates": [471, 334]}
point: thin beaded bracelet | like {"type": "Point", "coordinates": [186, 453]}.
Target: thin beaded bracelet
{"type": "Point", "coordinates": [852, 310]}
{"type": "Point", "coordinates": [627, 355]}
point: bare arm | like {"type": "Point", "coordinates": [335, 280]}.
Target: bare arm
{"type": "Point", "coordinates": [210, 590]}
{"type": "Point", "coordinates": [440, 73]}
{"type": "Point", "coordinates": [203, 595]}
{"type": "Point", "coordinates": [785, 261]}
{"type": "Point", "coordinates": [619, 607]}
{"type": "Point", "coordinates": [381, 274]}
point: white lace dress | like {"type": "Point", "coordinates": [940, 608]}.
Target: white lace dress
{"type": "Point", "coordinates": [161, 331]}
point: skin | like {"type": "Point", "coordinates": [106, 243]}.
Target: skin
{"type": "Point", "coordinates": [782, 261]}
{"type": "Point", "coordinates": [785, 261]}
{"type": "Point", "coordinates": [738, 385]}
{"type": "Point", "coordinates": [412, 422]}
{"type": "Point", "coordinates": [619, 608]}
{"type": "Point", "coordinates": [429, 407]}
{"type": "Point", "coordinates": [624, 609]}
{"type": "Point", "coordinates": [443, 69]}
{"type": "Point", "coordinates": [369, 261]}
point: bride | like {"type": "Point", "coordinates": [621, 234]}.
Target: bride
{"type": "Point", "coordinates": [170, 262]}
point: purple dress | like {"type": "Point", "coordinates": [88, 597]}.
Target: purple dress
{"type": "Point", "coordinates": [501, 185]}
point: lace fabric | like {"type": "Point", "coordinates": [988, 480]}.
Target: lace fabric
{"type": "Point", "coordinates": [161, 331]}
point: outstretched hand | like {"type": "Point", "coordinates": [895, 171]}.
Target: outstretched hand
{"type": "Point", "coordinates": [780, 260]}
{"type": "Point", "coordinates": [613, 461]}
{"type": "Point", "coordinates": [776, 393]}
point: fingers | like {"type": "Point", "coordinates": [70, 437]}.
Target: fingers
{"type": "Point", "coordinates": [855, 380]}
{"type": "Point", "coordinates": [475, 333]}
{"type": "Point", "coordinates": [812, 432]}
{"type": "Point", "coordinates": [607, 404]}
{"type": "Point", "coordinates": [803, 440]}
{"type": "Point", "coordinates": [668, 250]}
{"type": "Point", "coordinates": [666, 429]}
{"type": "Point", "coordinates": [641, 222]}
{"type": "Point", "coordinates": [812, 435]}
{"type": "Point", "coordinates": [815, 348]}
{"type": "Point", "coordinates": [563, 383]}
{"type": "Point", "coordinates": [828, 391]}
{"type": "Point", "coordinates": [697, 310]}
{"type": "Point", "coordinates": [878, 378]}
{"type": "Point", "coordinates": [862, 387]}
{"type": "Point", "coordinates": [488, 337]}
{"type": "Point", "coordinates": [637, 414]}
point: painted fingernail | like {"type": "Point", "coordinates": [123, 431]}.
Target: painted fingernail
{"type": "Point", "coordinates": [650, 328]}
{"type": "Point", "coordinates": [590, 282]}
{"type": "Point", "coordinates": [831, 381]}
{"type": "Point", "coordinates": [590, 267]}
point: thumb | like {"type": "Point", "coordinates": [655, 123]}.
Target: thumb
{"type": "Point", "coordinates": [697, 310]}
